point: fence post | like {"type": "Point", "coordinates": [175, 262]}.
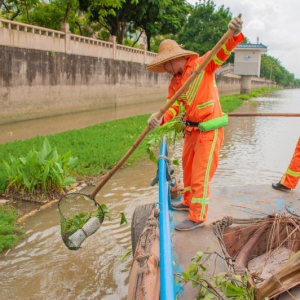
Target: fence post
{"type": "Point", "coordinates": [144, 47]}
{"type": "Point", "coordinates": [113, 39]}
{"type": "Point", "coordinates": [65, 28]}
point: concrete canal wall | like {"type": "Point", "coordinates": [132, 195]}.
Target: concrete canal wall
{"type": "Point", "coordinates": [46, 73]}
{"type": "Point", "coordinates": [35, 84]}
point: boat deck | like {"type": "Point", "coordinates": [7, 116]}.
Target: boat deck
{"type": "Point", "coordinates": [238, 202]}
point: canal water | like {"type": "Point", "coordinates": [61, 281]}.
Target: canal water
{"type": "Point", "coordinates": [256, 150]}
{"type": "Point", "coordinates": [45, 126]}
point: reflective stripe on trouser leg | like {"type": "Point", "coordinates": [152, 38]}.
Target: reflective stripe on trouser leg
{"type": "Point", "coordinates": [204, 165]}
{"type": "Point", "coordinates": [292, 175]}
{"type": "Point", "coordinates": [188, 152]}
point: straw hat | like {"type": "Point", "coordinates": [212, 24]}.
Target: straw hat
{"type": "Point", "coordinates": [168, 49]}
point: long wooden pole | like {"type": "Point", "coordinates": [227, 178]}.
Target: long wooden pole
{"type": "Point", "coordinates": [162, 111]}
{"type": "Point", "coordinates": [264, 114]}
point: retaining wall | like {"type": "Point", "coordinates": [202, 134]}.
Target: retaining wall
{"type": "Point", "coordinates": [46, 73]}
{"type": "Point", "coordinates": [35, 84]}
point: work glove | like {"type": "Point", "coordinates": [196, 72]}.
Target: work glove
{"type": "Point", "coordinates": [153, 122]}
{"type": "Point", "coordinates": [236, 24]}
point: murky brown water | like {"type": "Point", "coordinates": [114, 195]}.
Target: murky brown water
{"type": "Point", "coordinates": [41, 267]}
{"type": "Point", "coordinates": [46, 126]}
{"type": "Point", "coordinates": [255, 151]}
{"type": "Point", "coordinates": [258, 149]}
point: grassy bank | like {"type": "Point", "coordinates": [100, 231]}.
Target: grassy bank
{"type": "Point", "coordinates": [10, 233]}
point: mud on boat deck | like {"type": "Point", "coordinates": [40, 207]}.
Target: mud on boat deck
{"type": "Point", "coordinates": [242, 202]}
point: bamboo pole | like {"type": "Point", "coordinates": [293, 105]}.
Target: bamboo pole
{"type": "Point", "coordinates": [264, 114]}
{"type": "Point", "coordinates": [162, 111]}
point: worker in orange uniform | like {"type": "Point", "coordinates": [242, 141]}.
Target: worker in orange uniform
{"type": "Point", "coordinates": [291, 177]}
{"type": "Point", "coordinates": [204, 132]}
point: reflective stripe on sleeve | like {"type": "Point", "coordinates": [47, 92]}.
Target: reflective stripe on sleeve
{"type": "Point", "coordinates": [206, 104]}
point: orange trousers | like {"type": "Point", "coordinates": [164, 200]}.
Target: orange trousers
{"type": "Point", "coordinates": [200, 157]}
{"type": "Point", "coordinates": [291, 177]}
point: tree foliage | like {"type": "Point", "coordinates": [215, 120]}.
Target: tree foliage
{"type": "Point", "coordinates": [113, 16]}
{"type": "Point", "coordinates": [52, 14]}
{"type": "Point", "coordinates": [48, 14]}
{"type": "Point", "coordinates": [205, 26]}
{"type": "Point", "coordinates": [11, 9]}
{"type": "Point", "coordinates": [160, 17]}
{"type": "Point", "coordinates": [134, 17]}
{"type": "Point", "coordinates": [271, 68]}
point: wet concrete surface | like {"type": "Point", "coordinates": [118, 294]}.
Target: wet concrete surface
{"type": "Point", "coordinates": [239, 202]}
{"type": "Point", "coordinates": [255, 154]}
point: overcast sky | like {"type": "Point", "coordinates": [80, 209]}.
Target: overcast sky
{"type": "Point", "coordinates": [275, 22]}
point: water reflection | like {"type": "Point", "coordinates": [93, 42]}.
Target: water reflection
{"type": "Point", "coordinates": [256, 150]}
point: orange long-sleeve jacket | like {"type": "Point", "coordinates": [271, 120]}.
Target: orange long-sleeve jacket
{"type": "Point", "coordinates": [201, 98]}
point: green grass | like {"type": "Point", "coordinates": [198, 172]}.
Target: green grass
{"type": "Point", "coordinates": [232, 102]}
{"type": "Point", "coordinates": [98, 147]}
{"type": "Point", "coordinates": [10, 234]}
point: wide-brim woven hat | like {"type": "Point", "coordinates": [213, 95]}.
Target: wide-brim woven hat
{"type": "Point", "coordinates": [168, 50]}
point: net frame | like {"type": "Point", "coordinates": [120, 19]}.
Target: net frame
{"type": "Point", "coordinates": [70, 206]}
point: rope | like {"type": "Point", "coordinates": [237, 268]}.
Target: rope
{"type": "Point", "coordinates": [145, 242]}
{"type": "Point", "coordinates": [219, 228]}
{"type": "Point", "coordinates": [164, 157]}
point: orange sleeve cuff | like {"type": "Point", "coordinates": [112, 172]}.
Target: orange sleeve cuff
{"type": "Point", "coordinates": [168, 116]}
{"type": "Point", "coordinates": [239, 38]}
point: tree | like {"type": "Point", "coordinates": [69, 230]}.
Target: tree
{"type": "Point", "coordinates": [205, 26]}
{"type": "Point", "coordinates": [271, 68]}
{"type": "Point", "coordinates": [161, 17]}
{"type": "Point", "coordinates": [154, 17]}
{"type": "Point", "coordinates": [112, 15]}
{"type": "Point", "coordinates": [11, 9]}
{"type": "Point", "coordinates": [53, 13]}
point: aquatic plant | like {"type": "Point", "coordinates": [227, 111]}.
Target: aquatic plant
{"type": "Point", "coordinates": [43, 170]}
